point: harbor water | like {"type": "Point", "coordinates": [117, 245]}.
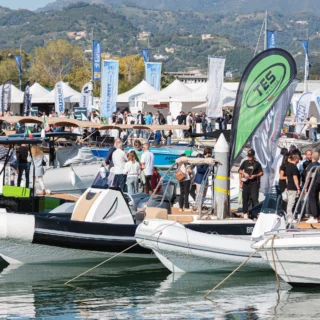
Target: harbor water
{"type": "Point", "coordinates": [141, 289]}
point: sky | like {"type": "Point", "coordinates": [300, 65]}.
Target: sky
{"type": "Point", "coordinates": [26, 4]}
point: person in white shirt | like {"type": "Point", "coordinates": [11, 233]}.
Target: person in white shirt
{"type": "Point", "coordinates": [119, 159]}
{"type": "Point", "coordinates": [132, 170]}
{"type": "Point", "coordinates": [147, 162]}
{"type": "Point", "coordinates": [169, 119]}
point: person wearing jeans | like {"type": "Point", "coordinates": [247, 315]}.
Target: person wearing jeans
{"type": "Point", "coordinates": [132, 170]}
{"type": "Point", "coordinates": [293, 184]}
{"type": "Point", "coordinates": [314, 128]}
{"type": "Point", "coordinates": [119, 159]}
{"type": "Point", "coordinates": [147, 163]}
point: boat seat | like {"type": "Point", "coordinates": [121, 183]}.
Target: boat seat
{"type": "Point", "coordinates": [83, 206]}
{"type": "Point", "coordinates": [181, 219]}
{"type": "Point", "coordinates": [156, 213]}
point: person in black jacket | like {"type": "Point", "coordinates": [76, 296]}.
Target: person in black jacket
{"type": "Point", "coordinates": [249, 174]}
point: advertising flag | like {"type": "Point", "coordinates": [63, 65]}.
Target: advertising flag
{"type": "Point", "coordinates": [215, 84]}
{"type": "Point", "coordinates": [109, 87]}
{"type": "Point", "coordinates": [59, 98]}
{"type": "Point", "coordinates": [96, 60]}
{"type": "Point", "coordinates": [18, 61]}
{"type": "Point", "coordinates": [6, 97]}
{"type": "Point", "coordinates": [27, 100]}
{"type": "Point", "coordinates": [302, 111]}
{"type": "Point", "coordinates": [265, 78]}
{"type": "Point", "coordinates": [271, 39]}
{"type": "Point", "coordinates": [145, 54]}
{"type": "Point", "coordinates": [85, 96]}
{"type": "Point", "coordinates": [305, 45]}
{"type": "Point", "coordinates": [316, 98]}
{"type": "Point", "coordinates": [153, 74]}
{"type": "Point", "coordinates": [265, 139]}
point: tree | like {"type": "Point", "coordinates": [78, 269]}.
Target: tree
{"type": "Point", "coordinates": [131, 72]}
{"type": "Point", "coordinates": [56, 62]}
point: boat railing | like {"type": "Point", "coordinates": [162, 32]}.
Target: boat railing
{"type": "Point", "coordinates": [311, 177]}
{"type": "Point", "coordinates": [203, 187]}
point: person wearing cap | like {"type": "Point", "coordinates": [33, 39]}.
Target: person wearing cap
{"type": "Point", "coordinates": [249, 176]}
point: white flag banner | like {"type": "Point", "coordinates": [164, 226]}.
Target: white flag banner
{"type": "Point", "coordinates": [59, 98]}
{"type": "Point", "coordinates": [316, 98]}
{"type": "Point", "coordinates": [215, 85]}
{"type": "Point", "coordinates": [302, 110]}
{"type": "Point", "coordinates": [85, 96]}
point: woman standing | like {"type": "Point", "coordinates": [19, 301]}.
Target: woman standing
{"type": "Point", "coordinates": [185, 186]}
{"type": "Point", "coordinates": [37, 162]}
{"type": "Point", "coordinates": [132, 170]}
{"type": "Point", "coordinates": [283, 179]}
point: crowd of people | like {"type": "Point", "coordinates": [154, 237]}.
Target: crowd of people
{"type": "Point", "coordinates": [291, 175]}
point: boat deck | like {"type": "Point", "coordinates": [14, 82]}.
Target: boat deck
{"type": "Point", "coordinates": [63, 196]}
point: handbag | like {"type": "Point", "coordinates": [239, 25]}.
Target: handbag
{"type": "Point", "coordinates": [180, 175]}
{"type": "Point", "coordinates": [284, 196]}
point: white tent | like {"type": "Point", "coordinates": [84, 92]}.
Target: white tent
{"type": "Point", "coordinates": [16, 95]}
{"type": "Point", "coordinates": [38, 93]}
{"type": "Point", "coordinates": [70, 95]}
{"type": "Point", "coordinates": [142, 88]}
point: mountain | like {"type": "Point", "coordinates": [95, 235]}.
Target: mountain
{"type": "Point", "coordinates": [208, 6]}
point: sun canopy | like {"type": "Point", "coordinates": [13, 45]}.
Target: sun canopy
{"type": "Point", "coordinates": [197, 161]}
{"type": "Point", "coordinates": [19, 140]}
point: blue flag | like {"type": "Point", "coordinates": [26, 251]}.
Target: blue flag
{"type": "Point", "coordinates": [305, 44]}
{"type": "Point", "coordinates": [145, 54]}
{"type": "Point", "coordinates": [153, 74]}
{"type": "Point", "coordinates": [18, 61]}
{"type": "Point", "coordinates": [109, 87]}
{"type": "Point", "coordinates": [271, 39]}
{"type": "Point", "coordinates": [96, 60]}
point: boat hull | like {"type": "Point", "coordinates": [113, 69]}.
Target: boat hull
{"type": "Point", "coordinates": [184, 250]}
{"type": "Point", "coordinates": [297, 260]}
{"type": "Point", "coordinates": [52, 239]}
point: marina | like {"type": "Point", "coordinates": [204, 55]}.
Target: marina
{"type": "Point", "coordinates": [140, 185]}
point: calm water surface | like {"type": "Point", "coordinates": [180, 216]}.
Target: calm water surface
{"type": "Point", "coordinates": [145, 290]}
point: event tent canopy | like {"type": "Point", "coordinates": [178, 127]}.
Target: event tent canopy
{"type": "Point", "coordinates": [142, 88]}
{"type": "Point", "coordinates": [38, 93]}
{"type": "Point", "coordinates": [176, 88]}
{"type": "Point", "coordinates": [70, 95]}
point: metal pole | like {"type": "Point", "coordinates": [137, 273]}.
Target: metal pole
{"type": "Point", "coordinates": [222, 180]}
{"type": "Point", "coordinates": [266, 32]}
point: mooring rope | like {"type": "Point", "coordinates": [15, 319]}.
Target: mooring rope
{"type": "Point", "coordinates": [234, 271]}
{"type": "Point", "coordinates": [118, 254]}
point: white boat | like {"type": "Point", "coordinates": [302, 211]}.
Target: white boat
{"type": "Point", "coordinates": [294, 253]}
{"type": "Point", "coordinates": [184, 250]}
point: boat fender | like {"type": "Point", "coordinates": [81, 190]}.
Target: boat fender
{"type": "Point", "coordinates": [73, 178]}
{"type": "Point", "coordinates": [17, 226]}
{"type": "Point", "coordinates": [103, 173]}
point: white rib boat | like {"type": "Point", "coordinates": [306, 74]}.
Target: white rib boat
{"type": "Point", "coordinates": [184, 250]}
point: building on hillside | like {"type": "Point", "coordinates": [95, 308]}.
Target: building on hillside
{"type": "Point", "coordinates": [77, 35]}
{"type": "Point", "coordinates": [207, 36]}
{"type": "Point", "coordinates": [229, 74]}
{"type": "Point", "coordinates": [169, 50]}
{"type": "Point", "coordinates": [160, 57]}
{"type": "Point", "coordinates": [144, 35]}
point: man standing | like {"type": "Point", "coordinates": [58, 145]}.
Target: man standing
{"type": "Point", "coordinates": [304, 165]}
{"type": "Point", "coordinates": [169, 119]}
{"type": "Point", "coordinates": [140, 121]}
{"type": "Point", "coordinates": [276, 166]}
{"type": "Point", "coordinates": [147, 162]}
{"type": "Point", "coordinates": [23, 164]}
{"type": "Point", "coordinates": [181, 121]}
{"type": "Point", "coordinates": [249, 175]}
{"type": "Point", "coordinates": [119, 159]}
{"type": "Point", "coordinates": [314, 128]}
{"type": "Point", "coordinates": [108, 160]}
{"type": "Point", "coordinates": [203, 122]}
{"type": "Point", "coordinates": [314, 207]}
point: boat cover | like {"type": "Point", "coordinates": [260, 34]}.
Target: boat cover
{"type": "Point", "coordinates": [74, 155]}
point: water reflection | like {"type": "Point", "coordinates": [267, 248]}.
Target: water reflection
{"type": "Point", "coordinates": [146, 290]}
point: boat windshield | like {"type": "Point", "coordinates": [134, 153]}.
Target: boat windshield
{"type": "Point", "coordinates": [272, 201]}
{"type": "Point", "coordinates": [101, 180]}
